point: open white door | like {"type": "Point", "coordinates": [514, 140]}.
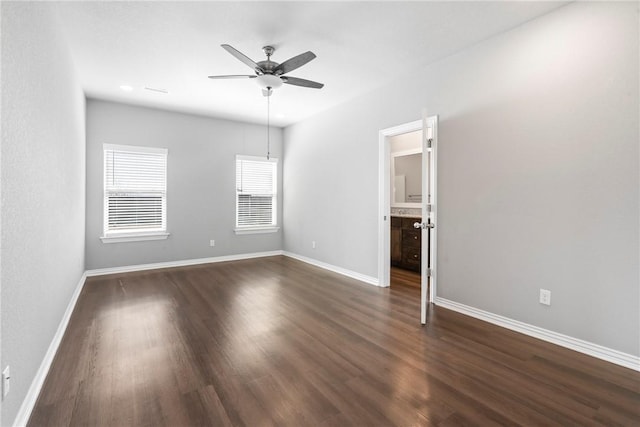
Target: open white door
{"type": "Point", "coordinates": [428, 225]}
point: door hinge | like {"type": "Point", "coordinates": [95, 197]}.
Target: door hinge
{"type": "Point", "coordinates": [429, 272]}
{"type": "Point", "coordinates": [429, 143]}
{"type": "Point", "coordinates": [429, 207]}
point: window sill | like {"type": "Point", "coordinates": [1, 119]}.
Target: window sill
{"type": "Point", "coordinates": [256, 230]}
{"type": "Point", "coordinates": [134, 237]}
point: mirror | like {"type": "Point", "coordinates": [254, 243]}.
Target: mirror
{"type": "Point", "coordinates": [406, 186]}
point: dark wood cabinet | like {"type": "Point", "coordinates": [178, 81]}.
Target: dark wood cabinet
{"type": "Point", "coordinates": [396, 239]}
{"type": "Point", "coordinates": [406, 243]}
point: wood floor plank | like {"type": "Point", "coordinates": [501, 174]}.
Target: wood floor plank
{"type": "Point", "coordinates": [274, 341]}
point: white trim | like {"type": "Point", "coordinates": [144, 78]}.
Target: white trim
{"type": "Point", "coordinates": [133, 237]}
{"type": "Point", "coordinates": [349, 273]}
{"type": "Point", "coordinates": [407, 152]}
{"type": "Point", "coordinates": [29, 402]}
{"type": "Point", "coordinates": [135, 148]}
{"type": "Point", "coordinates": [180, 263]}
{"type": "Point", "coordinates": [595, 350]}
{"type": "Point", "coordinates": [255, 230]}
{"type": "Point", "coordinates": [187, 262]}
{"type": "Point", "coordinates": [384, 199]}
{"type": "Point", "coordinates": [256, 158]}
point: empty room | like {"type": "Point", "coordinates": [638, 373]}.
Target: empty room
{"type": "Point", "coordinates": [320, 213]}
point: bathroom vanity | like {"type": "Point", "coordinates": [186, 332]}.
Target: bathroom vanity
{"type": "Point", "coordinates": [406, 243]}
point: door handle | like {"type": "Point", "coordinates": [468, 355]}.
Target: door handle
{"type": "Point", "coordinates": [423, 225]}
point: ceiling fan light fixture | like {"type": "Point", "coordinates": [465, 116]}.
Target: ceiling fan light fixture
{"type": "Point", "coordinates": [268, 81]}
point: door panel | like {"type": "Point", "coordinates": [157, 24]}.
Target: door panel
{"type": "Point", "coordinates": [428, 229]}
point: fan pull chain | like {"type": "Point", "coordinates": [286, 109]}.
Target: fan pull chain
{"type": "Point", "coordinates": [268, 124]}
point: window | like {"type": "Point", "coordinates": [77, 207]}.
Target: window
{"type": "Point", "coordinates": [135, 196]}
{"type": "Point", "coordinates": [256, 194]}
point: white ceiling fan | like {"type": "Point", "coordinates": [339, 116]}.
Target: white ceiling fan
{"type": "Point", "coordinates": [269, 74]}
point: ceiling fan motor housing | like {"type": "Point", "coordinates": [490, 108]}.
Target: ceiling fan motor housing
{"type": "Point", "coordinates": [268, 66]}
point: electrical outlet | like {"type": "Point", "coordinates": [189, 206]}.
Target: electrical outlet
{"type": "Point", "coordinates": [313, 244]}
{"type": "Point", "coordinates": [212, 243]}
{"type": "Point", "coordinates": [6, 378]}
{"type": "Point", "coordinates": [545, 297]}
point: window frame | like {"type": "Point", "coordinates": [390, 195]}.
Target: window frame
{"type": "Point", "coordinates": [257, 229]}
{"type": "Point", "coordinates": [132, 234]}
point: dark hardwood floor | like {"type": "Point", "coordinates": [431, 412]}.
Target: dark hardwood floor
{"type": "Point", "coordinates": [274, 341]}
{"type": "Point", "coordinates": [402, 277]}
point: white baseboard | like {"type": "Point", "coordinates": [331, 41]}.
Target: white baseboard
{"type": "Point", "coordinates": [349, 273]}
{"type": "Point", "coordinates": [31, 398]}
{"type": "Point", "coordinates": [181, 263]}
{"type": "Point", "coordinates": [589, 348]}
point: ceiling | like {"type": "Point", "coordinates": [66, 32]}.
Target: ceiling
{"type": "Point", "coordinates": [359, 46]}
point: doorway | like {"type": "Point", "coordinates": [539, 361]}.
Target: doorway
{"type": "Point", "coordinates": [405, 208]}
{"type": "Point", "coordinates": [401, 207]}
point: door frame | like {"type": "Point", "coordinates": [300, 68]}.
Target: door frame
{"type": "Point", "coordinates": [384, 196]}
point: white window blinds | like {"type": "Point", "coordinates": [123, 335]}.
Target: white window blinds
{"type": "Point", "coordinates": [135, 182]}
{"type": "Point", "coordinates": [256, 192]}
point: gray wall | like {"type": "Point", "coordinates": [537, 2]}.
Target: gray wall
{"type": "Point", "coordinates": [538, 173]}
{"type": "Point", "coordinates": [200, 182]}
{"type": "Point", "coordinates": [43, 168]}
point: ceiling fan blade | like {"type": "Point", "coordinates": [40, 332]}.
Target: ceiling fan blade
{"type": "Point", "coordinates": [235, 76]}
{"type": "Point", "coordinates": [301, 82]}
{"type": "Point", "coordinates": [293, 63]}
{"type": "Point", "coordinates": [242, 57]}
